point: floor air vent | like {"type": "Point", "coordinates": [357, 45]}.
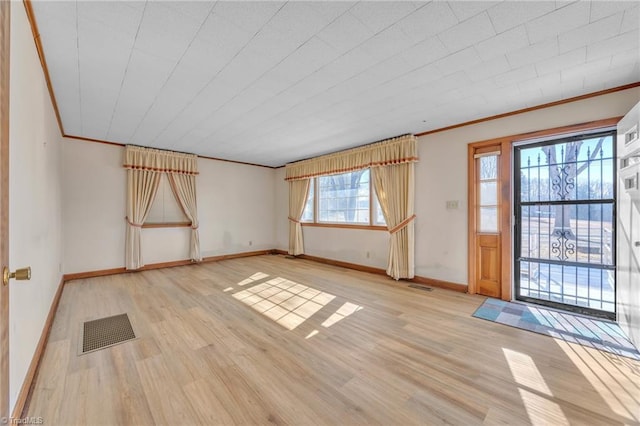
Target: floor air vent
{"type": "Point", "coordinates": [421, 287]}
{"type": "Point", "coordinates": [105, 332]}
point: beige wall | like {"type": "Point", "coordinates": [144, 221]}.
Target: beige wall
{"type": "Point", "coordinates": [235, 206]}
{"type": "Point", "coordinates": [35, 237]}
{"type": "Point", "coordinates": [441, 176]}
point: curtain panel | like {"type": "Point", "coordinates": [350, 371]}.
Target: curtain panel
{"type": "Point", "coordinates": [395, 188]}
{"type": "Point", "coordinates": [144, 169]}
{"type": "Point", "coordinates": [184, 189]}
{"type": "Point", "coordinates": [400, 150]}
{"type": "Point", "coordinates": [142, 186]}
{"type": "Point", "coordinates": [298, 193]}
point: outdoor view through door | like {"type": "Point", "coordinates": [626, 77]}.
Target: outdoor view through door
{"type": "Point", "coordinates": [564, 202]}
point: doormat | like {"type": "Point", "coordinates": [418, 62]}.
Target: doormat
{"type": "Point", "coordinates": [599, 334]}
{"type": "Point", "coordinates": [106, 332]}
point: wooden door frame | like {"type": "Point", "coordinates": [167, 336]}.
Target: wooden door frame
{"type": "Point", "coordinates": [5, 18]}
{"type": "Point", "coordinates": [506, 185]}
{"type": "Point", "coordinates": [504, 214]}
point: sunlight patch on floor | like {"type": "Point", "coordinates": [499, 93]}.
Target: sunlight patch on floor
{"type": "Point", "coordinates": [286, 302]}
{"type": "Point", "coordinates": [345, 310]}
{"type": "Point", "coordinates": [614, 391]}
{"type": "Point", "coordinates": [253, 278]}
{"type": "Point", "coordinates": [534, 391]}
{"type": "Point", "coordinates": [541, 410]}
{"type": "Point", "coordinates": [525, 372]}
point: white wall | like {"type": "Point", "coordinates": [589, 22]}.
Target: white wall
{"type": "Point", "coordinates": [236, 210]}
{"type": "Point", "coordinates": [441, 175]}
{"type": "Point", "coordinates": [35, 193]}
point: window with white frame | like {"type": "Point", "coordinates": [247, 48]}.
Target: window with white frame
{"type": "Point", "coordinates": [346, 198]}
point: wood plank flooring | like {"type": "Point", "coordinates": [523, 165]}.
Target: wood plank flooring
{"type": "Point", "coordinates": [273, 340]}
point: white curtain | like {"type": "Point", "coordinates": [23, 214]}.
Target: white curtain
{"type": "Point", "coordinates": [142, 186]}
{"type": "Point", "coordinates": [395, 189]}
{"type": "Point", "coordinates": [298, 193]}
{"type": "Point", "coordinates": [184, 189]}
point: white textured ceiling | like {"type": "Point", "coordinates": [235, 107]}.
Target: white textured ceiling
{"type": "Point", "coordinates": [272, 82]}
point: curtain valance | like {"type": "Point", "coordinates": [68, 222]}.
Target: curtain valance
{"type": "Point", "coordinates": [156, 160]}
{"type": "Point", "coordinates": [400, 150]}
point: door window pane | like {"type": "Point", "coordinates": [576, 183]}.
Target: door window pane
{"type": "Point", "coordinates": [488, 193]}
{"type": "Point", "coordinates": [488, 219]}
{"type": "Point", "coordinates": [489, 167]}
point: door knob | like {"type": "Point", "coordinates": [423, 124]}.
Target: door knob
{"type": "Point", "coordinates": [19, 274]}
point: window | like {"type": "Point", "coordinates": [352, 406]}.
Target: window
{"type": "Point", "coordinates": [347, 198]}
{"type": "Point", "coordinates": [488, 193]}
{"type": "Point", "coordinates": [165, 209]}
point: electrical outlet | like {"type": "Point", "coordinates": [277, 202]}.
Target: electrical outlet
{"type": "Point", "coordinates": [368, 255]}
{"type": "Point", "coordinates": [250, 243]}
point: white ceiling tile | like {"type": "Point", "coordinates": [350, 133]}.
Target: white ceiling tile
{"type": "Point", "coordinates": [534, 53]}
{"type": "Point", "coordinates": [536, 83]}
{"type": "Point", "coordinates": [250, 16]}
{"type": "Point", "coordinates": [591, 67]}
{"type": "Point", "coordinates": [631, 20]}
{"type": "Point", "coordinates": [298, 21]}
{"type": "Point", "coordinates": [600, 30]}
{"type": "Point", "coordinates": [613, 45]}
{"type": "Point", "coordinates": [120, 19]}
{"type": "Point", "coordinates": [510, 14]}
{"type": "Point", "coordinates": [602, 9]}
{"type": "Point", "coordinates": [386, 44]}
{"type": "Point", "coordinates": [222, 37]}
{"type": "Point", "coordinates": [459, 61]}
{"type": "Point", "coordinates": [574, 15]}
{"type": "Point", "coordinates": [515, 76]}
{"type": "Point", "coordinates": [425, 52]}
{"type": "Point", "coordinates": [164, 32]}
{"type": "Point", "coordinates": [345, 33]}
{"type": "Point", "coordinates": [466, 9]}
{"type": "Point", "coordinates": [193, 9]}
{"type": "Point", "coordinates": [570, 59]}
{"type": "Point", "coordinates": [505, 42]}
{"type": "Point", "coordinates": [377, 16]}
{"type": "Point", "coordinates": [628, 57]}
{"type": "Point", "coordinates": [467, 33]}
{"type": "Point", "coordinates": [482, 71]}
{"type": "Point", "coordinates": [427, 21]}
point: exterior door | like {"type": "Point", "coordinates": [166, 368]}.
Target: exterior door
{"type": "Point", "coordinates": [564, 204]}
{"type": "Point", "coordinates": [487, 202]}
{"type": "Point", "coordinates": [5, 13]}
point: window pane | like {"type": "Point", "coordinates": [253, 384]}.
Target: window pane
{"type": "Point", "coordinates": [307, 213]}
{"type": "Point", "coordinates": [488, 193]}
{"type": "Point", "coordinates": [489, 167]}
{"type": "Point", "coordinates": [488, 219]}
{"type": "Point", "coordinates": [165, 207]}
{"type": "Point", "coordinates": [344, 198]}
{"type": "Point", "coordinates": [378, 217]}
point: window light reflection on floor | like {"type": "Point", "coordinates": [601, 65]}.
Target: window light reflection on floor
{"type": "Point", "coordinates": [286, 302]}
{"type": "Point", "coordinates": [344, 311]}
{"type": "Point", "coordinates": [534, 391]}
{"type": "Point", "coordinates": [253, 278]}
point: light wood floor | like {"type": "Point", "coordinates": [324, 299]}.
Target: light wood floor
{"type": "Point", "coordinates": [357, 349]}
